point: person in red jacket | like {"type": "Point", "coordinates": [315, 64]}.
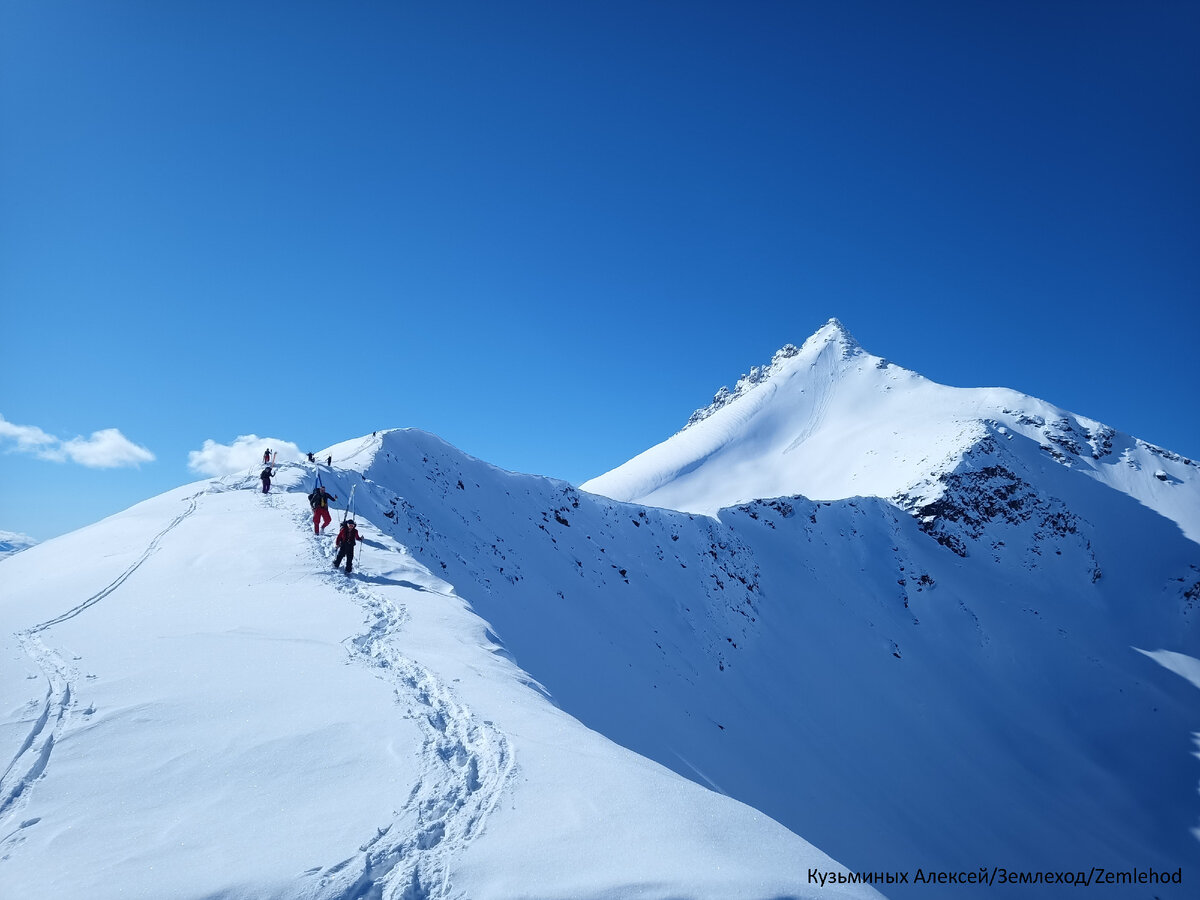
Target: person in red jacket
{"type": "Point", "coordinates": [319, 500]}
{"type": "Point", "coordinates": [346, 539]}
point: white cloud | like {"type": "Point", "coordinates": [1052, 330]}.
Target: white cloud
{"type": "Point", "coordinates": [29, 438]}
{"type": "Point", "coordinates": [245, 452]}
{"type": "Point", "coordinates": [105, 449]}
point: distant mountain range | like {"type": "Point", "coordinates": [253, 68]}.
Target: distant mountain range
{"type": "Point", "coordinates": [12, 542]}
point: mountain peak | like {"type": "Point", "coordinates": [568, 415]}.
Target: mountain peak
{"type": "Point", "coordinates": [833, 332]}
{"type": "Point", "coordinates": [831, 421]}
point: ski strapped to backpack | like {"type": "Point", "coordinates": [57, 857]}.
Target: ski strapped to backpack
{"type": "Point", "coordinates": [349, 515]}
{"type": "Point", "coordinates": [318, 485]}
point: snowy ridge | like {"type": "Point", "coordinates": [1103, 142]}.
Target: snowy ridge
{"type": "Point", "coordinates": [974, 642]}
{"type": "Point", "coordinates": [371, 730]}
{"type": "Point", "coordinates": [756, 376]}
{"type": "Point", "coordinates": [832, 331]}
{"type": "Point", "coordinates": [834, 421]}
{"type": "Point", "coordinates": [465, 765]}
{"type": "Point", "coordinates": [787, 591]}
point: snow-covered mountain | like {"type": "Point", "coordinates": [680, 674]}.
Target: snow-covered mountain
{"type": "Point", "coordinates": [13, 542]}
{"type": "Point", "coordinates": [961, 652]}
{"type": "Point", "coordinates": [830, 421]}
{"type": "Point", "coordinates": [196, 705]}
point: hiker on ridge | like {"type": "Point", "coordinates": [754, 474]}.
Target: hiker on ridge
{"type": "Point", "coordinates": [346, 539]}
{"type": "Point", "coordinates": [266, 479]}
{"type": "Point", "coordinates": [319, 500]}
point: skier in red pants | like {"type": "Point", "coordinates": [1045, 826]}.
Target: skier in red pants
{"type": "Point", "coordinates": [319, 500]}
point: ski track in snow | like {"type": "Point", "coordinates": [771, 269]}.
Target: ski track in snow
{"type": "Point", "coordinates": [814, 420]}
{"type": "Point", "coordinates": [465, 764]}
{"type": "Point", "coordinates": [31, 760]}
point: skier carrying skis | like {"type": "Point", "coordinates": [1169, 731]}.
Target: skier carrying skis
{"type": "Point", "coordinates": [319, 500]}
{"type": "Point", "coordinates": [267, 455]}
{"type": "Point", "coordinates": [346, 539]}
{"type": "Point", "coordinates": [266, 479]}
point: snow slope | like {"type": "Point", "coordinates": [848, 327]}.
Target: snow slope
{"type": "Point", "coordinates": [955, 687]}
{"type": "Point", "coordinates": [831, 421]}
{"type": "Point", "coordinates": [1020, 719]}
{"type": "Point", "coordinates": [196, 705]}
{"type": "Point", "coordinates": [972, 648]}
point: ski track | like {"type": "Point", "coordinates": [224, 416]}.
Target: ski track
{"type": "Point", "coordinates": [465, 764]}
{"type": "Point", "coordinates": [55, 714]}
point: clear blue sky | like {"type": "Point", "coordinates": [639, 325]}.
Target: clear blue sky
{"type": "Point", "coordinates": [547, 231]}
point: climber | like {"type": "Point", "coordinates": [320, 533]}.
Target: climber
{"type": "Point", "coordinates": [319, 500]}
{"type": "Point", "coordinates": [346, 539]}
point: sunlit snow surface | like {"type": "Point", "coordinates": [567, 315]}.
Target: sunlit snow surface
{"type": "Point", "coordinates": [834, 421]}
{"type": "Point", "coordinates": [197, 705]}
{"type": "Point", "coordinates": [528, 690]}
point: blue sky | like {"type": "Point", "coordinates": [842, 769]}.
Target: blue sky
{"type": "Point", "coordinates": [547, 231]}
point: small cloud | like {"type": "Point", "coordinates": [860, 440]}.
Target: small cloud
{"type": "Point", "coordinates": [105, 449]}
{"type": "Point", "coordinates": [246, 451]}
{"type": "Point", "coordinates": [29, 438]}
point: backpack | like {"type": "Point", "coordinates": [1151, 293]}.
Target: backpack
{"type": "Point", "coordinates": [314, 500]}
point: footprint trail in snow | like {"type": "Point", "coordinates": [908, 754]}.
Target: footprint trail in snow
{"type": "Point", "coordinates": [465, 765]}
